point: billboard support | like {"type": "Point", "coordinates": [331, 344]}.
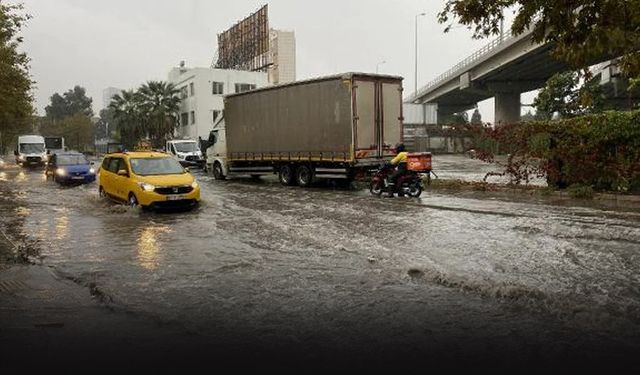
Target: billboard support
{"type": "Point", "coordinates": [245, 46]}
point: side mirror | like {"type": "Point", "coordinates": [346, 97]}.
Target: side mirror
{"type": "Point", "coordinates": [187, 169]}
{"type": "Point", "coordinates": [92, 163]}
{"type": "Point", "coordinates": [123, 172]}
{"type": "Point", "coordinates": [15, 152]}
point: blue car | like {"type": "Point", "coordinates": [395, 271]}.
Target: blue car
{"type": "Point", "coordinates": [70, 168]}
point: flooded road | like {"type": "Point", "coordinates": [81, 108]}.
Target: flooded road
{"type": "Point", "coordinates": [323, 270]}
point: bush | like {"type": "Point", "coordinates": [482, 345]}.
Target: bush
{"type": "Point", "coordinates": [601, 150]}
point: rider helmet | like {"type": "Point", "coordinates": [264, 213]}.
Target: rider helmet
{"type": "Point", "coordinates": [400, 147]}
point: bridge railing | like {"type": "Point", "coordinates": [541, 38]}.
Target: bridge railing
{"type": "Point", "coordinates": [477, 55]}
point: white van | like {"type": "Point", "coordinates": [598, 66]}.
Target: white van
{"type": "Point", "coordinates": [31, 151]}
{"type": "Point", "coordinates": [186, 151]}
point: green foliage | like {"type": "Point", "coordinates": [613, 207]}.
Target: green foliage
{"type": "Point", "coordinates": [15, 83]}
{"type": "Point", "coordinates": [106, 124]}
{"type": "Point", "coordinates": [563, 95]}
{"type": "Point", "coordinates": [69, 116]}
{"type": "Point", "coordinates": [72, 102]}
{"type": "Point", "coordinates": [582, 31]}
{"type": "Point", "coordinates": [600, 150]}
{"type": "Point", "coordinates": [150, 112]}
{"type": "Point", "coordinates": [78, 130]}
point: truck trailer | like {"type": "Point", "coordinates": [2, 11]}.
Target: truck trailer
{"type": "Point", "coordinates": [337, 127]}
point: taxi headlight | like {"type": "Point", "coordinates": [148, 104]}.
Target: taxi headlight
{"type": "Point", "coordinates": [194, 184]}
{"type": "Point", "coordinates": [60, 172]}
{"type": "Point", "coordinates": [146, 187]}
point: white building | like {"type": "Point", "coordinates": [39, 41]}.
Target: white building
{"type": "Point", "coordinates": [108, 94]}
{"type": "Point", "coordinates": [202, 91]}
{"type": "Point", "coordinates": [282, 53]}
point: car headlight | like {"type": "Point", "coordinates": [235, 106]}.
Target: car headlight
{"type": "Point", "coordinates": [146, 187]}
{"type": "Point", "coordinates": [60, 172]}
{"type": "Point", "coordinates": [92, 171]}
{"type": "Point", "coordinates": [194, 184]}
{"type": "Point", "coordinates": [21, 158]}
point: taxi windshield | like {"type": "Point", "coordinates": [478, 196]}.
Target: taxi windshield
{"type": "Point", "coordinates": [155, 166]}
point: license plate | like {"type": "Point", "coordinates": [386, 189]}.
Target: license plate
{"type": "Point", "coordinates": [176, 197]}
{"type": "Point", "coordinates": [77, 178]}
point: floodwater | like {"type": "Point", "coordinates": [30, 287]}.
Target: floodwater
{"type": "Point", "coordinates": [340, 270]}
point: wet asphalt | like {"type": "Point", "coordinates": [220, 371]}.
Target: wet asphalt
{"type": "Point", "coordinates": [264, 274]}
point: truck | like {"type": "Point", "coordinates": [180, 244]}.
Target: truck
{"type": "Point", "coordinates": [335, 127]}
{"type": "Point", "coordinates": [54, 144]}
{"type": "Point", "coordinates": [30, 151]}
{"type": "Point", "coordinates": [185, 151]}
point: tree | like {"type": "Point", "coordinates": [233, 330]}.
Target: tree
{"type": "Point", "coordinates": [106, 124]}
{"type": "Point", "coordinates": [582, 31]}
{"type": "Point", "coordinates": [16, 107]}
{"type": "Point", "coordinates": [476, 117]}
{"type": "Point", "coordinates": [150, 112]}
{"type": "Point", "coordinates": [160, 104]}
{"type": "Point", "coordinates": [563, 95]}
{"type": "Point", "coordinates": [128, 118]}
{"type": "Point", "coordinates": [72, 102]}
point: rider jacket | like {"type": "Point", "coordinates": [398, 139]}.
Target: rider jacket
{"type": "Point", "coordinates": [400, 160]}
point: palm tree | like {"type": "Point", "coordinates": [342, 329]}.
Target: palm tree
{"type": "Point", "coordinates": [159, 106]}
{"type": "Point", "coordinates": [128, 117]}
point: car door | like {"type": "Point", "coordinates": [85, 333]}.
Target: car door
{"type": "Point", "coordinates": [120, 183]}
{"type": "Point", "coordinates": [111, 183]}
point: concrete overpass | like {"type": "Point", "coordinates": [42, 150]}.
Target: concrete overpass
{"type": "Point", "coordinates": [503, 69]}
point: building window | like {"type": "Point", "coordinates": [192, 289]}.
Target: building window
{"type": "Point", "coordinates": [183, 92]}
{"type": "Point", "coordinates": [193, 117]}
{"type": "Point", "coordinates": [216, 114]}
{"type": "Point", "coordinates": [242, 87]}
{"type": "Point", "coordinates": [218, 88]}
{"type": "Point", "coordinates": [184, 119]}
{"type": "Point", "coordinates": [191, 89]}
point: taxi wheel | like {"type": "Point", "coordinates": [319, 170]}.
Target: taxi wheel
{"type": "Point", "coordinates": [133, 201]}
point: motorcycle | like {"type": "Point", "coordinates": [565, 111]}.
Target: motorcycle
{"type": "Point", "coordinates": [409, 184]}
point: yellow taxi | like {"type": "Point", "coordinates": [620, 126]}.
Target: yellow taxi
{"type": "Point", "coordinates": [149, 179]}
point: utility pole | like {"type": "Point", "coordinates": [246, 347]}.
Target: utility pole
{"type": "Point", "coordinates": [415, 91]}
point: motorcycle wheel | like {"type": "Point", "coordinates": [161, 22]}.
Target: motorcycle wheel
{"type": "Point", "coordinates": [375, 188]}
{"type": "Point", "coordinates": [415, 190]}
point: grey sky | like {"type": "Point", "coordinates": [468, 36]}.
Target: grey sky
{"type": "Point", "coordinates": [123, 43]}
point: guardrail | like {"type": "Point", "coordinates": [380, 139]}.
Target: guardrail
{"type": "Point", "coordinates": [477, 55]}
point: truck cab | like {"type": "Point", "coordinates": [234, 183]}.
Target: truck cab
{"type": "Point", "coordinates": [185, 151]}
{"type": "Point", "coordinates": [31, 151]}
{"type": "Point", "coordinates": [54, 145]}
{"type": "Point", "coordinates": [217, 152]}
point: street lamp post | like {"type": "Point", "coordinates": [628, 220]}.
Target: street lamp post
{"type": "Point", "coordinates": [415, 91]}
{"type": "Point", "coordinates": [378, 65]}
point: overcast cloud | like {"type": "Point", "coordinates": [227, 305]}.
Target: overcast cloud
{"type": "Point", "coordinates": [123, 43]}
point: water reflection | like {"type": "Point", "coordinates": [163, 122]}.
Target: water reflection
{"type": "Point", "coordinates": [148, 245]}
{"type": "Point", "coordinates": [62, 226]}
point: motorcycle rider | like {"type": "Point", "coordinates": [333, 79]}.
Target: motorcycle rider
{"type": "Point", "coordinates": [400, 161]}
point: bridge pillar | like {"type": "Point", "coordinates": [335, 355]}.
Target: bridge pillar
{"type": "Point", "coordinates": [507, 108]}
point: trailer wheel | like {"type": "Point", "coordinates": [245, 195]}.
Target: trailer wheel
{"type": "Point", "coordinates": [286, 175]}
{"type": "Point", "coordinates": [217, 171]}
{"type": "Point", "coordinates": [304, 175]}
